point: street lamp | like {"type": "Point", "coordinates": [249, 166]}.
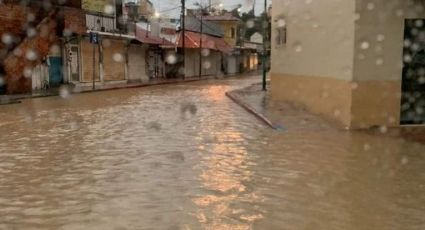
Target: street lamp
{"type": "Point", "coordinates": [157, 14]}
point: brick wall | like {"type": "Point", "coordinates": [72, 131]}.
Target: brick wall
{"type": "Point", "coordinates": [17, 62]}
{"type": "Point", "coordinates": [12, 20]}
{"type": "Point", "coordinates": [74, 20]}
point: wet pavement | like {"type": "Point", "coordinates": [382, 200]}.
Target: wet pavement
{"type": "Point", "coordinates": [186, 157]}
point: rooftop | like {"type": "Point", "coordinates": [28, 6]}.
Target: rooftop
{"type": "Point", "coordinates": [194, 24]}
{"type": "Point", "coordinates": [224, 17]}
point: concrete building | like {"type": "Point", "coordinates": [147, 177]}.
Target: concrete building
{"type": "Point", "coordinates": [347, 60]}
{"type": "Point", "coordinates": [146, 9]}
{"type": "Point", "coordinates": [229, 24]}
{"type": "Point", "coordinates": [243, 57]}
{"type": "Point", "coordinates": [209, 46]}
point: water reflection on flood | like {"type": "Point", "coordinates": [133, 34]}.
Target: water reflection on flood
{"type": "Point", "coordinates": [186, 157]}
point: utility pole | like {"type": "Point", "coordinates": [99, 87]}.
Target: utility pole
{"type": "Point", "coordinates": [183, 36]}
{"type": "Point", "coordinates": [265, 25]}
{"type": "Point", "coordinates": [94, 40]}
{"type": "Point", "coordinates": [94, 66]}
{"type": "Point", "coordinates": [200, 44]}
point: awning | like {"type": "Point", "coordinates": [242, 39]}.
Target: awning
{"type": "Point", "coordinates": [193, 41]}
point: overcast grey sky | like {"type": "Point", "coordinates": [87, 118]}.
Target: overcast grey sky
{"type": "Point", "coordinates": [164, 6]}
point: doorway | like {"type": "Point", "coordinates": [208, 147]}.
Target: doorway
{"type": "Point", "coordinates": [413, 81]}
{"type": "Point", "coordinates": [55, 71]}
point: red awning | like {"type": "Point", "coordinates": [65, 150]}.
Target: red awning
{"type": "Point", "coordinates": [192, 41]}
{"type": "Point", "coordinates": [144, 36]}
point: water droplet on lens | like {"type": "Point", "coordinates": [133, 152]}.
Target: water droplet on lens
{"type": "Point", "coordinates": [206, 64]}
{"type": "Point", "coordinates": [7, 38]}
{"type": "Point", "coordinates": [297, 47]}
{"type": "Point", "coordinates": [383, 129]}
{"type": "Point", "coordinates": [281, 23]}
{"type": "Point", "coordinates": [366, 147]}
{"type": "Point", "coordinates": [419, 23]}
{"type": "Point", "coordinates": [379, 61]}
{"type": "Point", "coordinates": [64, 92]}
{"type": "Point", "coordinates": [27, 72]}
{"type": "Point", "coordinates": [407, 58]}
{"type": "Point", "coordinates": [364, 45]}
{"type": "Point", "coordinates": [250, 24]}
{"type": "Point", "coordinates": [205, 52]}
{"type": "Point", "coordinates": [171, 58]}
{"type": "Point", "coordinates": [404, 160]}
{"type": "Point", "coordinates": [31, 55]}
{"type": "Point", "coordinates": [117, 57]}
{"type": "Point", "coordinates": [370, 6]}
{"type": "Point", "coordinates": [108, 9]}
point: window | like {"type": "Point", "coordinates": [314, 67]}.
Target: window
{"type": "Point", "coordinates": [281, 30]}
{"type": "Point", "coordinates": [281, 36]}
{"type": "Point", "coordinates": [233, 32]}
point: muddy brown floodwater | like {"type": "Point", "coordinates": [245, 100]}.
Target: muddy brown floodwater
{"type": "Point", "coordinates": [186, 157]}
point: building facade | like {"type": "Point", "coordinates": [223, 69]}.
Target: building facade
{"type": "Point", "coordinates": [347, 60]}
{"type": "Point", "coordinates": [229, 24]}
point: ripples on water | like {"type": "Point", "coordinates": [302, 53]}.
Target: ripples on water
{"type": "Point", "coordinates": [186, 157]}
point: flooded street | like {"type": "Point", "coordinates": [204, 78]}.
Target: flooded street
{"type": "Point", "coordinates": [187, 157]}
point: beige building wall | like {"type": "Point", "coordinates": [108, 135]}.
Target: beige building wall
{"type": "Point", "coordinates": [342, 59]}
{"type": "Point", "coordinates": [378, 60]}
{"type": "Point", "coordinates": [313, 68]}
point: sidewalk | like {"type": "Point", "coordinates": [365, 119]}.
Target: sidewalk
{"type": "Point", "coordinates": [16, 98]}
{"type": "Point", "coordinates": [277, 115]}
{"type": "Point", "coordinates": [283, 116]}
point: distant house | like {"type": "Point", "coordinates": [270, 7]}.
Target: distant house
{"type": "Point", "coordinates": [229, 24]}
{"type": "Point", "coordinates": [256, 38]}
{"type": "Point", "coordinates": [146, 9]}
{"type": "Point", "coordinates": [204, 51]}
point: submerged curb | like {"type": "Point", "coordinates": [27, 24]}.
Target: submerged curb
{"type": "Point", "coordinates": [18, 99]}
{"type": "Point", "coordinates": [232, 95]}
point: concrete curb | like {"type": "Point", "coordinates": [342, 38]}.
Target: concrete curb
{"type": "Point", "coordinates": [142, 85]}
{"type": "Point", "coordinates": [232, 95]}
